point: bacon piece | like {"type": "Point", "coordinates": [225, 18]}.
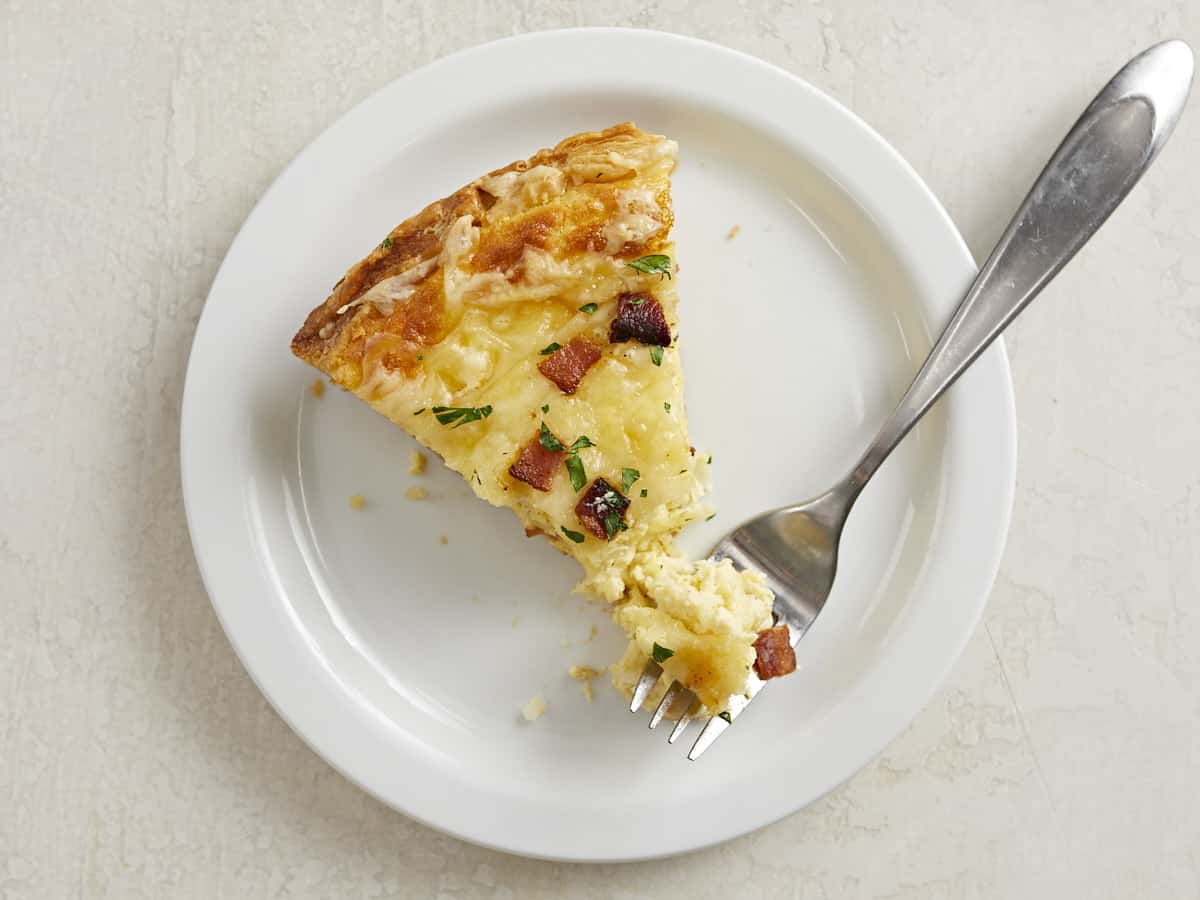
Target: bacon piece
{"type": "Point", "coordinates": [536, 466]}
{"type": "Point", "coordinates": [601, 502]}
{"type": "Point", "coordinates": [640, 317]}
{"type": "Point", "coordinates": [567, 365]}
{"type": "Point", "coordinates": [775, 654]}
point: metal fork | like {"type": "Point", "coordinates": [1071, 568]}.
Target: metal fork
{"type": "Point", "coordinates": [1096, 165]}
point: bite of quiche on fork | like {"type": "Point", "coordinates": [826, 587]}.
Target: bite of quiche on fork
{"type": "Point", "coordinates": [523, 329]}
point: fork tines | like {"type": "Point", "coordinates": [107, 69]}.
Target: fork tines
{"type": "Point", "coordinates": [679, 698]}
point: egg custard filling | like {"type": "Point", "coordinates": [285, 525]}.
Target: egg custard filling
{"type": "Point", "coordinates": [524, 329]}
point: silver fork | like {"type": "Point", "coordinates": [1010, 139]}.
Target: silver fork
{"type": "Point", "coordinates": [1095, 166]}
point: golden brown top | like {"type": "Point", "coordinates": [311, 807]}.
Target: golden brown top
{"type": "Point", "coordinates": [503, 238]}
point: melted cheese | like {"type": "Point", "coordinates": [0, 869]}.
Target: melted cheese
{"type": "Point", "coordinates": [516, 191]}
{"type": "Point", "coordinates": [706, 612]}
{"type": "Point", "coordinates": [647, 159]}
{"type": "Point", "coordinates": [638, 218]}
{"type": "Point", "coordinates": [384, 295]}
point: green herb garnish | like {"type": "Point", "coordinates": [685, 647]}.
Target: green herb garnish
{"type": "Point", "coordinates": [578, 476]}
{"type": "Point", "coordinates": [386, 244]}
{"type": "Point", "coordinates": [588, 308]}
{"type": "Point", "coordinates": [710, 459]}
{"type": "Point", "coordinates": [461, 415]}
{"type": "Point", "coordinates": [545, 407]}
{"type": "Point", "coordinates": [420, 357]}
{"type": "Point", "coordinates": [573, 535]}
{"type": "Point", "coordinates": [661, 654]}
{"type": "Point", "coordinates": [656, 353]}
{"type": "Point", "coordinates": [726, 716]}
{"type": "Point", "coordinates": [710, 518]}
{"type": "Point", "coordinates": [613, 524]}
{"type": "Point", "coordinates": [547, 439]}
{"type": "Point", "coordinates": [419, 411]}
{"type": "Point", "coordinates": [550, 348]}
{"type": "Point", "coordinates": [645, 493]}
{"type": "Point", "coordinates": [667, 407]}
{"type": "Point", "coordinates": [628, 477]}
{"type": "Point", "coordinates": [655, 264]}
{"type": "Point", "coordinates": [573, 463]}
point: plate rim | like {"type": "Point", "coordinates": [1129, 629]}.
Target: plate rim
{"type": "Point", "coordinates": [996, 358]}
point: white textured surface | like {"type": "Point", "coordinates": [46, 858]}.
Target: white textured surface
{"type": "Point", "coordinates": [137, 759]}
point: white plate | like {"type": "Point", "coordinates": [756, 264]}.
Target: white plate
{"type": "Point", "coordinates": [405, 662]}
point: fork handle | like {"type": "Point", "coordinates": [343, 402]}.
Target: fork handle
{"type": "Point", "coordinates": [1099, 161]}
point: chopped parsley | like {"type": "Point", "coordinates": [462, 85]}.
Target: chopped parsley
{"type": "Point", "coordinates": [547, 439]}
{"type": "Point", "coordinates": [660, 653]}
{"type": "Point", "coordinates": [582, 442]}
{"type": "Point", "coordinates": [710, 459]}
{"type": "Point", "coordinates": [655, 264]}
{"type": "Point", "coordinates": [386, 244]}
{"type": "Point", "coordinates": [578, 476]}
{"type": "Point", "coordinates": [460, 415]}
{"type": "Point", "coordinates": [726, 716]}
{"type": "Point", "coordinates": [656, 353]}
{"type": "Point", "coordinates": [588, 308]}
{"type": "Point", "coordinates": [613, 524]}
{"type": "Point", "coordinates": [637, 300]}
{"type": "Point", "coordinates": [573, 535]}
{"type": "Point", "coordinates": [550, 348]}
{"type": "Point", "coordinates": [573, 463]}
{"type": "Point", "coordinates": [645, 493]}
{"type": "Point", "coordinates": [419, 411]}
{"type": "Point", "coordinates": [420, 357]}
{"type": "Point", "coordinates": [667, 407]}
{"type": "Point", "coordinates": [628, 477]}
{"type": "Point", "coordinates": [710, 518]}
{"type": "Point", "coordinates": [545, 407]}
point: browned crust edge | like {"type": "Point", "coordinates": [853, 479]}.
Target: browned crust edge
{"type": "Point", "coordinates": [326, 337]}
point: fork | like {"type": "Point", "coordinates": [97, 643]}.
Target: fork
{"type": "Point", "coordinates": [1098, 162]}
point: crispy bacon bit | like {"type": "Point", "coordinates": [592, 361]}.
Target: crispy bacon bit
{"type": "Point", "coordinates": [567, 365]}
{"type": "Point", "coordinates": [536, 466]}
{"type": "Point", "coordinates": [775, 654]}
{"type": "Point", "coordinates": [640, 317]}
{"type": "Point", "coordinates": [602, 510]}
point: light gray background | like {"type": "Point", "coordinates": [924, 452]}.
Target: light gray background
{"type": "Point", "coordinates": [138, 760]}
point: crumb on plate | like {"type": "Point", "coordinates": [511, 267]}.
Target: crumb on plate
{"type": "Point", "coordinates": [534, 709]}
{"type": "Point", "coordinates": [416, 462]}
{"type": "Point", "coordinates": [357, 501]}
{"type": "Point", "coordinates": [443, 540]}
{"type": "Point", "coordinates": [416, 493]}
{"type": "Point", "coordinates": [318, 388]}
{"type": "Point", "coordinates": [733, 232]}
{"type": "Point", "coordinates": [584, 675]}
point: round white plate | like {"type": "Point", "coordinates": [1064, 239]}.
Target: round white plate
{"type": "Point", "coordinates": [404, 661]}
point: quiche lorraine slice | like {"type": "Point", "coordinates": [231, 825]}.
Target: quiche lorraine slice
{"type": "Point", "coordinates": [523, 329]}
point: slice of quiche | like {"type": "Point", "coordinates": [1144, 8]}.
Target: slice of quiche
{"type": "Point", "coordinates": [524, 328]}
